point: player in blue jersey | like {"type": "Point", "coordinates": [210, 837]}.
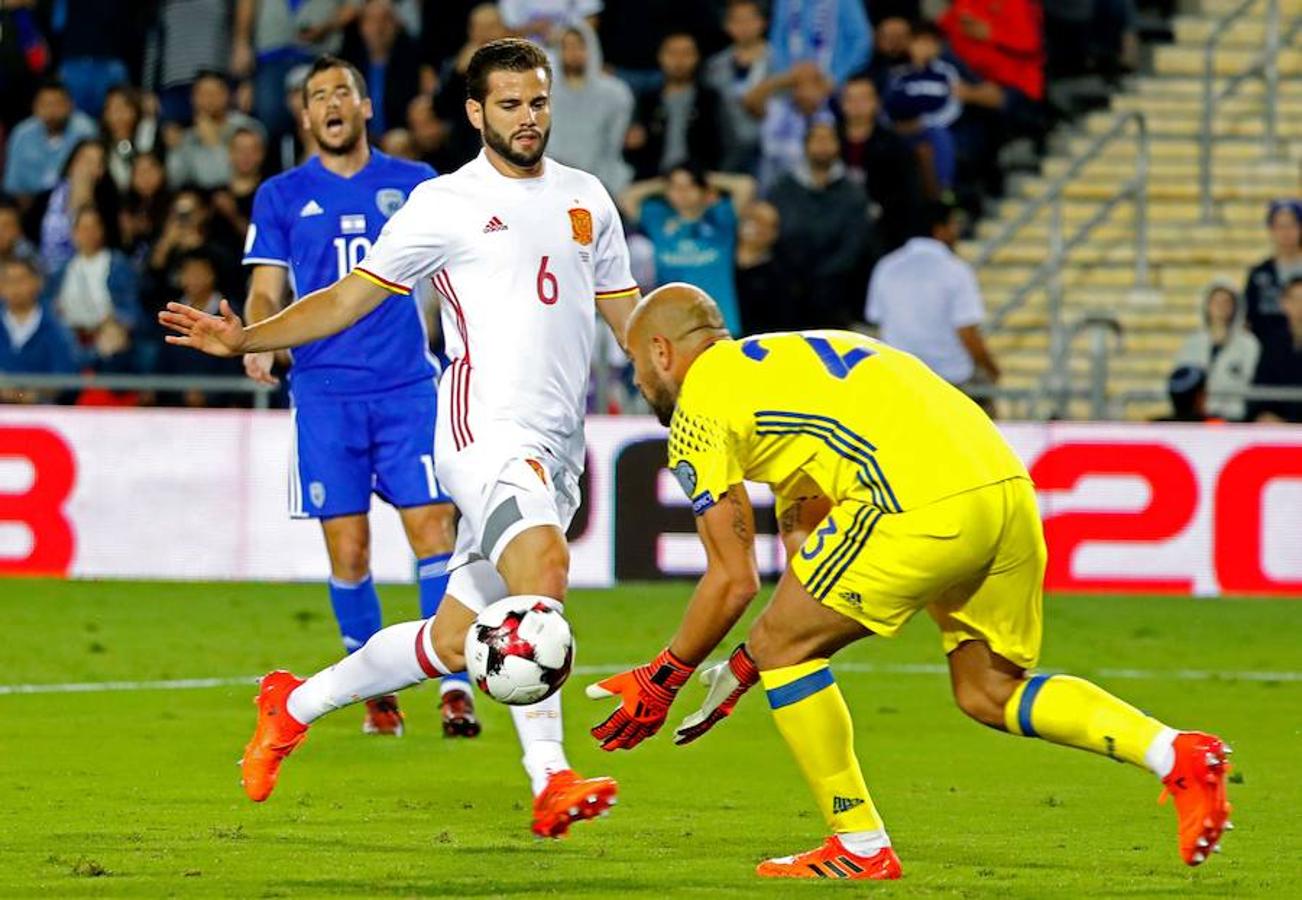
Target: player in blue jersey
{"type": "Point", "coordinates": [364, 399]}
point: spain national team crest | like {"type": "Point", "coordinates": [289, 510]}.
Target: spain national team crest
{"type": "Point", "coordinates": [581, 225]}
{"type": "Point", "coordinates": [389, 200]}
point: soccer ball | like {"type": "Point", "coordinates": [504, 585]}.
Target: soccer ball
{"type": "Point", "coordinates": [519, 650]}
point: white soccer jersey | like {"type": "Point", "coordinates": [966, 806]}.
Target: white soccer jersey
{"type": "Point", "coordinates": [519, 263]}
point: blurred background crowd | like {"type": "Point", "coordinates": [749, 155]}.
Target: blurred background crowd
{"type": "Point", "coordinates": [811, 163]}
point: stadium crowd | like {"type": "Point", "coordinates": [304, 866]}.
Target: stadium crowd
{"type": "Point", "coordinates": [773, 153]}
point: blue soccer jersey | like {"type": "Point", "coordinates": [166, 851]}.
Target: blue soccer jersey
{"type": "Point", "coordinates": [319, 225]}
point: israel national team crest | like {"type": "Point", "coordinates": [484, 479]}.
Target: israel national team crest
{"type": "Point", "coordinates": [581, 225]}
{"type": "Point", "coordinates": [389, 200]}
{"type": "Point", "coordinates": [316, 490]}
{"type": "Point", "coordinates": [685, 472]}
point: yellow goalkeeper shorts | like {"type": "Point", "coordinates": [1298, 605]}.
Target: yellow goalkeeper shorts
{"type": "Point", "coordinates": [975, 561]}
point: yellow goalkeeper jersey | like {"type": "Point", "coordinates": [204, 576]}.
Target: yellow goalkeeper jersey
{"type": "Point", "coordinates": [857, 418]}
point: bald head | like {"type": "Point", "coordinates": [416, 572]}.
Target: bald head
{"type": "Point", "coordinates": [676, 312]}
{"type": "Point", "coordinates": [666, 332]}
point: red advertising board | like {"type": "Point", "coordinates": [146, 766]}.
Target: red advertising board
{"type": "Point", "coordinates": [201, 495]}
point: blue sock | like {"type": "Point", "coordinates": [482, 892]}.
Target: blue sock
{"type": "Point", "coordinates": [432, 576]}
{"type": "Point", "coordinates": [357, 610]}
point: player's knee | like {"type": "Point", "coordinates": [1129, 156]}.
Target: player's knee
{"type": "Point", "coordinates": [350, 559]}
{"type": "Point", "coordinates": [768, 646]}
{"type": "Point", "coordinates": [547, 574]}
{"type": "Point", "coordinates": [450, 645]}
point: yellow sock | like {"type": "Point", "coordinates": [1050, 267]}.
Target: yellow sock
{"type": "Point", "coordinates": [815, 722]}
{"type": "Point", "coordinates": [1067, 710]}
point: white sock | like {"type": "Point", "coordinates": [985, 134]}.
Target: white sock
{"type": "Point", "coordinates": [448, 684]}
{"type": "Point", "coordinates": [1160, 755]}
{"type": "Point", "coordinates": [388, 662]}
{"type": "Point", "coordinates": [539, 727]}
{"type": "Point", "coordinates": [865, 843]}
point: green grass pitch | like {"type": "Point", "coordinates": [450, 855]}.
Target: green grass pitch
{"type": "Point", "coordinates": [135, 792]}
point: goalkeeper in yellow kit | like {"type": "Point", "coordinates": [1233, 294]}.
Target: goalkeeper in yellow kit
{"type": "Point", "coordinates": [895, 494]}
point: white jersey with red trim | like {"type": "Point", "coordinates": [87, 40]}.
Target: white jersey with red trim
{"type": "Point", "coordinates": [520, 263]}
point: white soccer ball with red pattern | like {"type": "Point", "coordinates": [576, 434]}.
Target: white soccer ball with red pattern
{"type": "Point", "coordinates": [519, 650]}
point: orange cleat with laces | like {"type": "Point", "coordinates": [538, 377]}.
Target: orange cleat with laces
{"type": "Point", "coordinates": [1197, 785]}
{"type": "Point", "coordinates": [568, 799]}
{"type": "Point", "coordinates": [275, 736]}
{"type": "Point", "coordinates": [832, 860]}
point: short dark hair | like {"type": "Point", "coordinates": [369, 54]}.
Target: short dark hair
{"type": "Point", "coordinates": [692, 170]}
{"type": "Point", "coordinates": [933, 215]}
{"type": "Point", "coordinates": [52, 84]}
{"type": "Point", "coordinates": [505, 55]}
{"type": "Point", "coordinates": [210, 75]}
{"type": "Point", "coordinates": [199, 255]}
{"type": "Point", "coordinates": [75, 151]}
{"type": "Point", "coordinates": [927, 28]}
{"type": "Point", "coordinates": [324, 63]}
{"type": "Point", "coordinates": [30, 263]}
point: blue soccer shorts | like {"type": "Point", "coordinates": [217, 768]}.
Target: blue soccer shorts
{"type": "Point", "coordinates": [345, 450]}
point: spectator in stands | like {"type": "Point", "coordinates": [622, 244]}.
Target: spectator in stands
{"type": "Point", "coordinates": [13, 243]}
{"type": "Point", "coordinates": [834, 35]}
{"type": "Point", "coordinates": [85, 182]}
{"type": "Point", "coordinates": [926, 300]}
{"type": "Point", "coordinates": [462, 142]}
{"type": "Point", "coordinates": [387, 56]}
{"type": "Point", "coordinates": [878, 159]}
{"type": "Point", "coordinates": [678, 123]}
{"type": "Point", "coordinates": [95, 39]}
{"type": "Point", "coordinates": [192, 225]}
{"type": "Point", "coordinates": [891, 40]}
{"type": "Point", "coordinates": [591, 110]}
{"type": "Point", "coordinates": [144, 207]}
{"type": "Point", "coordinates": [733, 72]}
{"type": "Point", "coordinates": [24, 60]}
{"type": "Point", "coordinates": [202, 159]}
{"type": "Point", "coordinates": [126, 131]}
{"type": "Point", "coordinates": [425, 129]}
{"type": "Point", "coordinates": [632, 31]}
{"type": "Point", "coordinates": [691, 219]}
{"type": "Point", "coordinates": [190, 37]}
{"type": "Point", "coordinates": [97, 293]}
{"type": "Point", "coordinates": [923, 103]}
{"type": "Point", "coordinates": [764, 283]}
{"type": "Point", "coordinates": [234, 203]}
{"type": "Point", "coordinates": [197, 277]}
{"type": "Point", "coordinates": [541, 20]}
{"type": "Point", "coordinates": [1266, 281]}
{"type": "Point", "coordinates": [40, 145]}
{"type": "Point", "coordinates": [1187, 389]}
{"type": "Point", "coordinates": [1280, 365]}
{"type": "Point", "coordinates": [788, 116]}
{"type": "Point", "coordinates": [272, 37]}
{"type": "Point", "coordinates": [826, 237]}
{"type": "Point", "coordinates": [32, 340]}
{"type": "Point", "coordinates": [1224, 349]}
{"type": "Point", "coordinates": [1002, 41]}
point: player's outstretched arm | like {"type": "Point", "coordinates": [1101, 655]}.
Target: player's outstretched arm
{"type": "Point", "coordinates": [318, 315]}
{"type": "Point", "coordinates": [730, 582]}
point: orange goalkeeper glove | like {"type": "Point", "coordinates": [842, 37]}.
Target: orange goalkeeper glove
{"type": "Point", "coordinates": [726, 682]}
{"type": "Point", "coordinates": [646, 692]}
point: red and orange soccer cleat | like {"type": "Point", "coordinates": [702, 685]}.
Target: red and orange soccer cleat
{"type": "Point", "coordinates": [832, 860]}
{"type": "Point", "coordinates": [459, 718]}
{"type": "Point", "coordinates": [383, 716]}
{"type": "Point", "coordinates": [275, 737]}
{"type": "Point", "coordinates": [568, 799]}
{"type": "Point", "coordinates": [1197, 784]}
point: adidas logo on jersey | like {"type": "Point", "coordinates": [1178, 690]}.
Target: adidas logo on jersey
{"type": "Point", "coordinates": [494, 224]}
{"type": "Point", "coordinates": [311, 208]}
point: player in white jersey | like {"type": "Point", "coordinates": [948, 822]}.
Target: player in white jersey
{"type": "Point", "coordinates": [523, 251]}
